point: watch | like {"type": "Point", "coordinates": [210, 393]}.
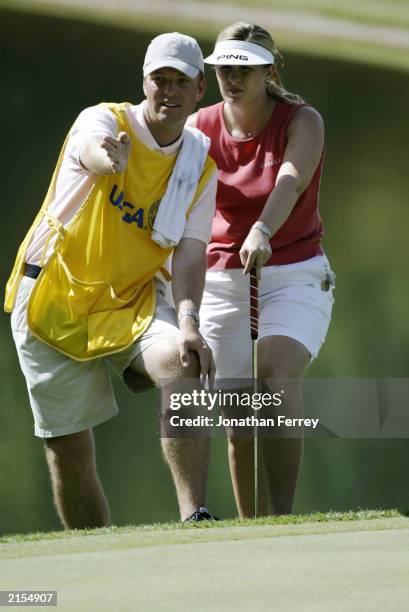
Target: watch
{"type": "Point", "coordinates": [193, 314]}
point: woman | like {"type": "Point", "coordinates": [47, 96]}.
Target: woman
{"type": "Point", "coordinates": [268, 146]}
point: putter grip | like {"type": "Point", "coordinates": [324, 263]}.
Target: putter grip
{"type": "Point", "coordinates": [253, 304]}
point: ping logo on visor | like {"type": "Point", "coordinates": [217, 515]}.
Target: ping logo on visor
{"type": "Point", "coordinates": [229, 56]}
{"type": "Point", "coordinates": [236, 52]}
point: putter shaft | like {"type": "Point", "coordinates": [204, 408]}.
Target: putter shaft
{"type": "Point", "coordinates": [254, 336]}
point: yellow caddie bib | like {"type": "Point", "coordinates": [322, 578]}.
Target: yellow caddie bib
{"type": "Point", "coordinates": [95, 295]}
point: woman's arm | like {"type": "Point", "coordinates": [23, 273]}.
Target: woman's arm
{"type": "Point", "coordinates": [303, 152]}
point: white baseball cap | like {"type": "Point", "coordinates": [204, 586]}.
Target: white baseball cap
{"type": "Point", "coordinates": [174, 50]}
{"type": "Point", "coordinates": [239, 53]}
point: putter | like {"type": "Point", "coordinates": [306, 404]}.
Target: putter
{"type": "Point", "coordinates": [254, 336]}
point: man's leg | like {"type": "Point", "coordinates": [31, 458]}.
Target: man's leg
{"type": "Point", "coordinates": [78, 495]}
{"type": "Point", "coordinates": [188, 462]}
{"type": "Point", "coordinates": [187, 457]}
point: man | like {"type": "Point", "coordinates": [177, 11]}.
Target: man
{"type": "Point", "coordinates": [131, 186]}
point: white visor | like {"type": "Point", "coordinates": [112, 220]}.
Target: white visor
{"type": "Point", "coordinates": [239, 52]}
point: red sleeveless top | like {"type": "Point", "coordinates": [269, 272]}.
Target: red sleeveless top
{"type": "Point", "coordinates": [247, 175]}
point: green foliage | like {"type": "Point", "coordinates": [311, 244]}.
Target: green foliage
{"type": "Point", "coordinates": [366, 13]}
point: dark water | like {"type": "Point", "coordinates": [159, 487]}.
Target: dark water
{"type": "Point", "coordinates": [51, 69]}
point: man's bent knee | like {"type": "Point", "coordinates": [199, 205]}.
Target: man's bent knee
{"type": "Point", "coordinates": [162, 362]}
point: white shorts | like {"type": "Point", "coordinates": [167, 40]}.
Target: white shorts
{"type": "Point", "coordinates": [295, 300]}
{"type": "Point", "coordinates": [69, 396]}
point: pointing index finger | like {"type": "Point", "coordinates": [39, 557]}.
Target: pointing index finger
{"type": "Point", "coordinates": [110, 140]}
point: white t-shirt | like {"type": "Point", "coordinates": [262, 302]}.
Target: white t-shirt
{"type": "Point", "coordinates": [74, 182]}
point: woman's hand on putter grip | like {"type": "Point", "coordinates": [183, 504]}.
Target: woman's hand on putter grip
{"type": "Point", "coordinates": [190, 339]}
{"type": "Point", "coordinates": [118, 150]}
{"type": "Point", "coordinates": [255, 251]}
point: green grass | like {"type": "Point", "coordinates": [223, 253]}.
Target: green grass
{"type": "Point", "coordinates": [175, 527]}
{"type": "Point", "coordinates": [355, 561]}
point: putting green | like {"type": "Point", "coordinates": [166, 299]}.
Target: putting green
{"type": "Point", "coordinates": [360, 565]}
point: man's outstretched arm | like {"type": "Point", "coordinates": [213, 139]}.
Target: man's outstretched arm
{"type": "Point", "coordinates": [106, 154]}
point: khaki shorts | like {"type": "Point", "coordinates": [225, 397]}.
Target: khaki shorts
{"type": "Point", "coordinates": [68, 396]}
{"type": "Point", "coordinates": [295, 300]}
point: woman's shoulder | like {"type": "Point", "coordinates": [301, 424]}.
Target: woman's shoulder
{"type": "Point", "coordinates": [305, 114]}
{"type": "Point", "coordinates": [207, 113]}
{"type": "Point", "coordinates": [210, 111]}
{"type": "Point", "coordinates": [305, 124]}
{"type": "Point", "coordinates": [298, 113]}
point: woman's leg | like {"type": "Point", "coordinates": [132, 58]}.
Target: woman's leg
{"type": "Point", "coordinates": [292, 297]}
{"type": "Point", "coordinates": [241, 463]}
{"type": "Point", "coordinates": [282, 363]}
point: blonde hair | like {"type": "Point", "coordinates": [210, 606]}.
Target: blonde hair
{"type": "Point", "coordinates": [256, 34]}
